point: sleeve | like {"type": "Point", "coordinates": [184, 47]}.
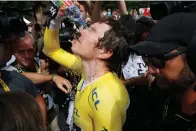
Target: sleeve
{"type": "Point", "coordinates": [20, 82]}
{"type": "Point", "coordinates": [28, 85]}
{"type": "Point", "coordinates": [107, 114]}
{"type": "Point", "coordinates": [31, 89]}
{"type": "Point", "coordinates": [53, 50]}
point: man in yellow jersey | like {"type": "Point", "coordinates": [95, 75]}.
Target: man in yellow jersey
{"type": "Point", "coordinates": [101, 99]}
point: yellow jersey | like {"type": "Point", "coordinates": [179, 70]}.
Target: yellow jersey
{"type": "Point", "coordinates": [102, 104]}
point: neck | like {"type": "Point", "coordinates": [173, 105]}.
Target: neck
{"type": "Point", "coordinates": [94, 69]}
{"type": "Point", "coordinates": [187, 100]}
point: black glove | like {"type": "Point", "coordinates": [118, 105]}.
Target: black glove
{"type": "Point", "coordinates": [52, 13]}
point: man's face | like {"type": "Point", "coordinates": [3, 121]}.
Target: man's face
{"type": "Point", "coordinates": [175, 76]}
{"type": "Point", "coordinates": [85, 45]}
{"type": "Point", "coordinates": [25, 52]}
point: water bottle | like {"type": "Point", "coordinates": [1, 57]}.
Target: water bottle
{"type": "Point", "coordinates": [72, 11]}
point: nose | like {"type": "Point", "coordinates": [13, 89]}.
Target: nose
{"type": "Point", "coordinates": [152, 70]}
{"type": "Point", "coordinates": [26, 54]}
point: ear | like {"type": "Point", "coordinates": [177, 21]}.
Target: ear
{"type": "Point", "coordinates": [103, 54]}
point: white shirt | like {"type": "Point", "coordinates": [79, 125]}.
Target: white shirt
{"type": "Point", "coordinates": [134, 67]}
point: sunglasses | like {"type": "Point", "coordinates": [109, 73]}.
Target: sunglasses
{"type": "Point", "coordinates": [77, 32]}
{"type": "Point", "coordinates": [159, 62]}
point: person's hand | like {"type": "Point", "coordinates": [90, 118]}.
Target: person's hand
{"type": "Point", "coordinates": [61, 11]}
{"type": "Point", "coordinates": [150, 78]}
{"type": "Point", "coordinates": [62, 84]}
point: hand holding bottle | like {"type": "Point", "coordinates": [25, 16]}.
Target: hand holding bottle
{"type": "Point", "coordinates": [68, 9]}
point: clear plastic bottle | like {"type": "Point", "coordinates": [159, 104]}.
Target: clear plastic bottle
{"type": "Point", "coordinates": [72, 11]}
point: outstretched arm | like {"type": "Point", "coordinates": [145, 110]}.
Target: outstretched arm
{"type": "Point", "coordinates": [61, 83]}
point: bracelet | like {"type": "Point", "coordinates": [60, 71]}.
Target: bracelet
{"type": "Point", "coordinates": [52, 77]}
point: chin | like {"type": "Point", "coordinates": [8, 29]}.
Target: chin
{"type": "Point", "coordinates": [27, 64]}
{"type": "Point", "coordinates": [74, 50]}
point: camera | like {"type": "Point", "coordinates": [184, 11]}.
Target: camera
{"type": "Point", "coordinates": [159, 10]}
{"type": "Point", "coordinates": [11, 26]}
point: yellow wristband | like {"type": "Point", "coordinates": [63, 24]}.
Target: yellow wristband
{"type": "Point", "coordinates": [52, 77]}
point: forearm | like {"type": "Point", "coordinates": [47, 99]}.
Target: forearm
{"type": "Point", "coordinates": [122, 7]}
{"type": "Point", "coordinates": [51, 35]}
{"type": "Point", "coordinates": [53, 50]}
{"type": "Point", "coordinates": [96, 13]}
{"type": "Point", "coordinates": [90, 7]}
{"type": "Point", "coordinates": [37, 78]}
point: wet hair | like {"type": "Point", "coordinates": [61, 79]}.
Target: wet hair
{"type": "Point", "coordinates": [20, 112]}
{"type": "Point", "coordinates": [114, 41]}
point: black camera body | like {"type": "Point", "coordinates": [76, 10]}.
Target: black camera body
{"type": "Point", "coordinates": [11, 26]}
{"type": "Point", "coordinates": [159, 10]}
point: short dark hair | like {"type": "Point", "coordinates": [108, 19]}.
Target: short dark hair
{"type": "Point", "coordinates": [20, 112]}
{"type": "Point", "coordinates": [114, 41]}
{"type": "Point", "coordinates": [129, 27]}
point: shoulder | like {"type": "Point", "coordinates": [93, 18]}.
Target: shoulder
{"type": "Point", "coordinates": [113, 85]}
{"type": "Point", "coordinates": [17, 81]}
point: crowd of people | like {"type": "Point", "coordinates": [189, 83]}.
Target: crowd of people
{"type": "Point", "coordinates": [115, 14]}
{"type": "Point", "coordinates": [121, 73]}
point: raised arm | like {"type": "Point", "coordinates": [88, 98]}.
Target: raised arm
{"type": "Point", "coordinates": [96, 12]}
{"type": "Point", "coordinates": [90, 6]}
{"type": "Point", "coordinates": [53, 50]}
{"type": "Point", "coordinates": [122, 7]}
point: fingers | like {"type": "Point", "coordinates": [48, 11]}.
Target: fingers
{"type": "Point", "coordinates": [61, 11]}
{"type": "Point", "coordinates": [68, 85]}
{"type": "Point", "coordinates": [60, 86]}
{"type": "Point", "coordinates": [146, 74]}
{"type": "Point", "coordinates": [76, 3]}
{"type": "Point", "coordinates": [150, 78]}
